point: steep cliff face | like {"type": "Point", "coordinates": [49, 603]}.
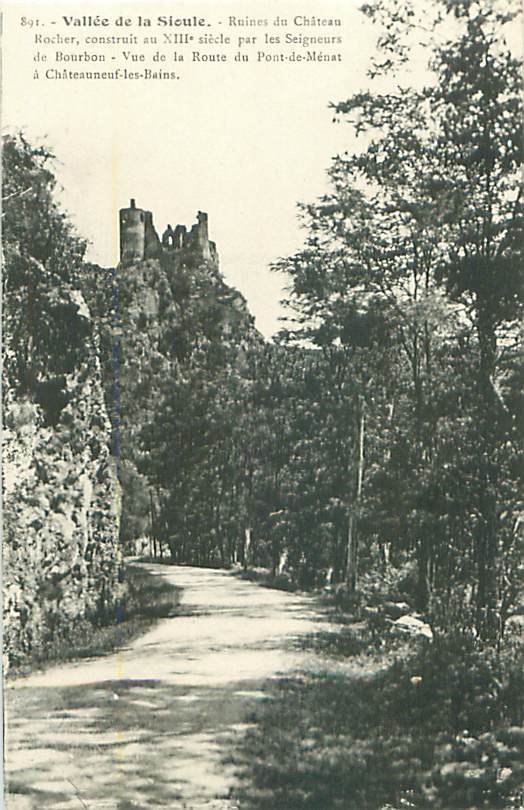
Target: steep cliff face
{"type": "Point", "coordinates": [179, 354]}
{"type": "Point", "coordinates": [61, 557]}
{"type": "Point", "coordinates": [61, 505]}
{"type": "Point", "coordinates": [173, 306]}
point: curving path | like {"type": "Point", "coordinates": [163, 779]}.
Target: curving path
{"type": "Point", "coordinates": [149, 726]}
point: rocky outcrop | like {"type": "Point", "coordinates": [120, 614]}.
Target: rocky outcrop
{"type": "Point", "coordinates": [62, 563]}
{"type": "Point", "coordinates": [181, 341]}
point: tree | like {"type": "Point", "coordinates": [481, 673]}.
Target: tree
{"type": "Point", "coordinates": [43, 256]}
{"type": "Point", "coordinates": [424, 225]}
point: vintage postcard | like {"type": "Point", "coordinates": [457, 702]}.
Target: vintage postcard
{"type": "Point", "coordinates": [262, 405]}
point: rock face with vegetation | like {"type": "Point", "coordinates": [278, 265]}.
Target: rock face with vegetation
{"type": "Point", "coordinates": [178, 346]}
{"type": "Point", "coordinates": [62, 562]}
{"type": "Point", "coordinates": [376, 444]}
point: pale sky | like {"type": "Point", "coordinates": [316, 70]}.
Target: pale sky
{"type": "Point", "coordinates": [244, 143]}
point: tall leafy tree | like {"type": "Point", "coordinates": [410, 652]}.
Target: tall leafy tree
{"type": "Point", "coordinates": [425, 225]}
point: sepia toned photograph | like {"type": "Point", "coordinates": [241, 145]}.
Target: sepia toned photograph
{"type": "Point", "coordinates": [263, 410]}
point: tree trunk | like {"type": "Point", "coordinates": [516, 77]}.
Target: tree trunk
{"type": "Point", "coordinates": [487, 552]}
{"type": "Point", "coordinates": [353, 538]}
{"type": "Point", "coordinates": [423, 570]}
{"type": "Point", "coordinates": [153, 522]}
{"type": "Point", "coordinates": [247, 547]}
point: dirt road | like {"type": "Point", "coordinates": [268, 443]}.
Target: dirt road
{"type": "Point", "coordinates": [149, 726]}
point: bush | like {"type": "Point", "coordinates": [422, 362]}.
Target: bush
{"type": "Point", "coordinates": [477, 771]}
{"type": "Point", "coordinates": [390, 582]}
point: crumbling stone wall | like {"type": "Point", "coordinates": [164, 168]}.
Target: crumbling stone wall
{"type": "Point", "coordinates": [139, 240]}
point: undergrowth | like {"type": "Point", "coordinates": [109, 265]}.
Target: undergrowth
{"type": "Point", "coordinates": [264, 577]}
{"type": "Point", "coordinates": [441, 727]}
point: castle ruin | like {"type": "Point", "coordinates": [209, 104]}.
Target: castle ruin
{"type": "Point", "coordinates": [139, 239]}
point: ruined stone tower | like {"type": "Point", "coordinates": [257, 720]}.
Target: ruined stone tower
{"type": "Point", "coordinates": [139, 239]}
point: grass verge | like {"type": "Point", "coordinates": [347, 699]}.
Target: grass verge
{"type": "Point", "coordinates": [439, 727]}
{"type": "Point", "coordinates": [148, 598]}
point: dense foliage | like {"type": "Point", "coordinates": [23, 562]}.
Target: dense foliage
{"type": "Point", "coordinates": [374, 446]}
{"type": "Point", "coordinates": [381, 431]}
{"type": "Point", "coordinates": [406, 300]}
{"type": "Point", "coordinates": [410, 282]}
